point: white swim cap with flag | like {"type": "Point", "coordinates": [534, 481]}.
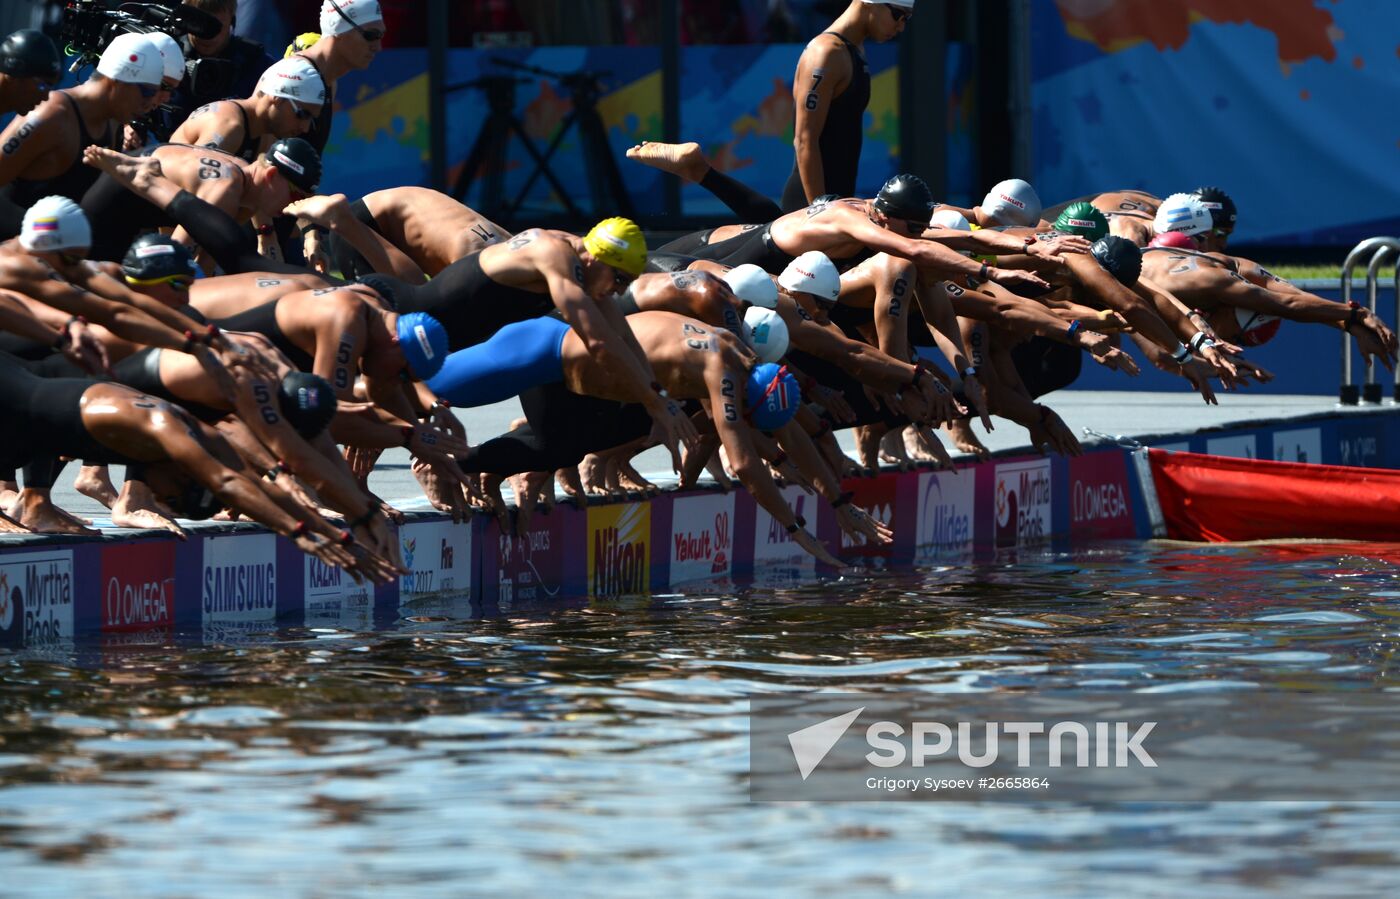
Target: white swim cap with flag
{"type": "Point", "coordinates": [344, 16]}
{"type": "Point", "coordinates": [55, 223]}
{"type": "Point", "coordinates": [132, 59]}
{"type": "Point", "coordinates": [294, 78]}
{"type": "Point", "coordinates": [172, 58]}
{"type": "Point", "coordinates": [1013, 202]}
{"type": "Point", "coordinates": [1185, 213]}
{"type": "Point", "coordinates": [752, 285]}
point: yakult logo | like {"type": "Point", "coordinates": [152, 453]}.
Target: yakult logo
{"type": "Point", "coordinates": [701, 537]}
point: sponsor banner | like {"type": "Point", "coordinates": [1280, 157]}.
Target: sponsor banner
{"type": "Point", "coordinates": [619, 549]}
{"type": "Point", "coordinates": [1098, 497]}
{"type": "Point", "coordinates": [946, 511]}
{"type": "Point", "coordinates": [332, 598]}
{"type": "Point", "coordinates": [530, 568]}
{"type": "Point", "coordinates": [1022, 503]}
{"type": "Point", "coordinates": [1302, 445]}
{"type": "Point", "coordinates": [876, 496]}
{"type": "Point", "coordinates": [776, 556]}
{"type": "Point", "coordinates": [439, 555]}
{"type": "Point", "coordinates": [1241, 446]}
{"type": "Point", "coordinates": [702, 537]}
{"type": "Point", "coordinates": [1362, 444]}
{"type": "Point", "coordinates": [138, 587]}
{"type": "Point", "coordinates": [36, 599]}
{"type": "Point", "coordinates": [238, 593]}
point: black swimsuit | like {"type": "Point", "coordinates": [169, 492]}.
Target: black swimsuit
{"type": "Point", "coordinates": [263, 320]}
{"type": "Point", "coordinates": [141, 371]}
{"type": "Point", "coordinates": [47, 411]}
{"type": "Point", "coordinates": [754, 245]}
{"type": "Point", "coordinates": [841, 136]}
{"type": "Point", "coordinates": [470, 305]}
{"type": "Point", "coordinates": [17, 196]}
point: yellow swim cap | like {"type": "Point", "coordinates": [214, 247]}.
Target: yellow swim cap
{"type": "Point", "coordinates": [303, 42]}
{"type": "Point", "coordinates": [619, 243]}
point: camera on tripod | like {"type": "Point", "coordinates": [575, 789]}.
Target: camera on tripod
{"type": "Point", "coordinates": [88, 26]}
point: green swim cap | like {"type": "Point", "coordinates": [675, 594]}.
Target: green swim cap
{"type": "Point", "coordinates": [1082, 220]}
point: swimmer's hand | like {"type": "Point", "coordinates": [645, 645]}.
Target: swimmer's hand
{"type": "Point", "coordinates": [1102, 350]}
{"type": "Point", "coordinates": [810, 544]}
{"type": "Point", "coordinates": [1199, 374]}
{"type": "Point", "coordinates": [861, 527]}
{"type": "Point", "coordinates": [85, 350]}
{"type": "Point", "coordinates": [943, 406]}
{"type": "Point", "coordinates": [833, 402]}
{"type": "Point", "coordinates": [376, 536]}
{"type": "Point", "coordinates": [332, 554]}
{"type": "Point", "coordinates": [977, 401]}
{"type": "Point", "coordinates": [1011, 278]}
{"type": "Point", "coordinates": [1057, 245]}
{"type": "Point", "coordinates": [672, 429]}
{"type": "Point", "coordinates": [435, 446]}
{"type": "Point", "coordinates": [215, 368]}
{"type": "Point", "coordinates": [1374, 339]}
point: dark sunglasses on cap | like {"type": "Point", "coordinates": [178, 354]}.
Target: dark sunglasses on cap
{"type": "Point", "coordinates": [621, 279]}
{"type": "Point", "coordinates": [370, 35]}
{"type": "Point", "coordinates": [900, 13]}
{"type": "Point", "coordinates": [303, 114]}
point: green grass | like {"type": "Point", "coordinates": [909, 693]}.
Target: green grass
{"type": "Point", "coordinates": [1304, 272]}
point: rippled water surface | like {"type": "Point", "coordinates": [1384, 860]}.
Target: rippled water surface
{"type": "Point", "coordinates": [602, 749]}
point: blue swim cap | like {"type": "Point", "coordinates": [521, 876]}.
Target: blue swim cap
{"type": "Point", "coordinates": [423, 340]}
{"type": "Point", "coordinates": [773, 397]}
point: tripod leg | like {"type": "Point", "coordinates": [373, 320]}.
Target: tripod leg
{"type": "Point", "coordinates": [489, 150]}
{"type": "Point", "coordinates": [600, 160]}
{"type": "Point", "coordinates": [542, 167]}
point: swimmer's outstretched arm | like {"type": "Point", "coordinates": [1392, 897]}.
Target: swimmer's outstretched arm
{"type": "Point", "coordinates": [333, 213]}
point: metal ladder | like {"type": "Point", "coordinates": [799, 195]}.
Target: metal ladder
{"type": "Point", "coordinates": [1375, 252]}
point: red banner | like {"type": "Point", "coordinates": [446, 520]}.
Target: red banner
{"type": "Point", "coordinates": [1221, 499]}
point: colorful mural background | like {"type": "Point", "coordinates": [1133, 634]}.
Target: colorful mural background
{"type": "Point", "coordinates": [735, 100]}
{"type": "Point", "coordinates": [1288, 104]}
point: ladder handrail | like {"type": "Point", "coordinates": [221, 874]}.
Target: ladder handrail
{"type": "Point", "coordinates": [1374, 250]}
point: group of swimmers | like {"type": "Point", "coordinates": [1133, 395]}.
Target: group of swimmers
{"type": "Point", "coordinates": [153, 327]}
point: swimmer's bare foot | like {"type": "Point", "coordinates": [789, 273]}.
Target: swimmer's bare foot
{"type": "Point", "coordinates": [593, 472]}
{"type": "Point", "coordinates": [9, 492]}
{"type": "Point", "coordinates": [569, 481]}
{"type": "Point", "coordinates": [95, 482]}
{"type": "Point", "coordinates": [318, 210]}
{"type": "Point", "coordinates": [632, 480]}
{"type": "Point", "coordinates": [892, 450]}
{"type": "Point", "coordinates": [495, 503]}
{"type": "Point", "coordinates": [966, 441]}
{"type": "Point", "coordinates": [682, 160]}
{"type": "Point", "coordinates": [137, 507]}
{"type": "Point", "coordinates": [924, 446]}
{"type": "Point", "coordinates": [34, 510]}
{"type": "Point", "coordinates": [868, 446]}
{"type": "Point", "coordinates": [537, 484]}
{"type": "Point", "coordinates": [138, 174]}
{"type": "Point", "coordinates": [9, 526]}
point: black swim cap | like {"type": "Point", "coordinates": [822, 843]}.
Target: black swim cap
{"type": "Point", "coordinates": [30, 53]}
{"type": "Point", "coordinates": [308, 402]}
{"type": "Point", "coordinates": [906, 197]}
{"type": "Point", "coordinates": [1120, 257]}
{"type": "Point", "coordinates": [155, 257]}
{"type": "Point", "coordinates": [1222, 208]}
{"type": "Point", "coordinates": [383, 285]}
{"type": "Point", "coordinates": [298, 162]}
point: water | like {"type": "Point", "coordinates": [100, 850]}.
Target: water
{"type": "Point", "coordinates": [602, 749]}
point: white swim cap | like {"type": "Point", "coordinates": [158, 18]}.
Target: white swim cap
{"type": "Point", "coordinates": [1013, 202]}
{"type": "Point", "coordinates": [907, 4]}
{"type": "Point", "coordinates": [1183, 212]}
{"type": "Point", "coordinates": [752, 285]}
{"type": "Point", "coordinates": [132, 59]}
{"type": "Point", "coordinates": [55, 223]}
{"type": "Point", "coordinates": [950, 218]}
{"type": "Point", "coordinates": [813, 273]}
{"type": "Point", "coordinates": [172, 58]}
{"type": "Point", "coordinates": [767, 333]}
{"type": "Point", "coordinates": [294, 78]}
{"type": "Point", "coordinates": [349, 14]}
